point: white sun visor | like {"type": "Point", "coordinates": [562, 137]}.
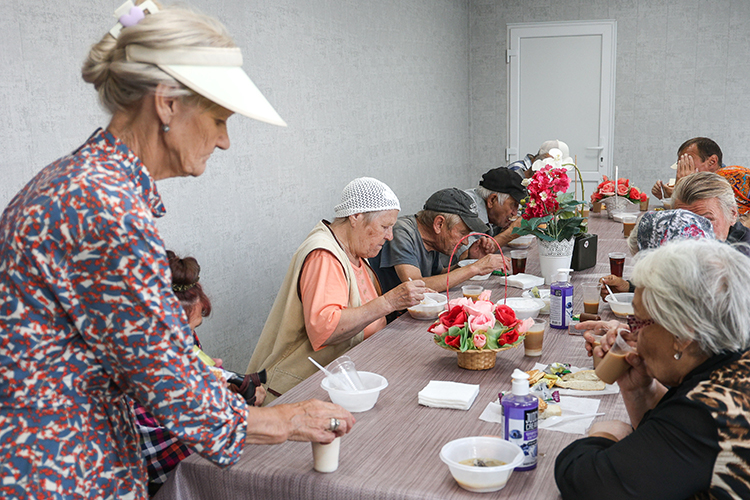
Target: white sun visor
{"type": "Point", "coordinates": [215, 73]}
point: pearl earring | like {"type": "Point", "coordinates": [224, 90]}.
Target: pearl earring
{"type": "Point", "coordinates": [677, 355]}
{"type": "Point", "coordinates": [165, 128]}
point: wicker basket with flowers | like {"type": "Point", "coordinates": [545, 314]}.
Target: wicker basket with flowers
{"type": "Point", "coordinates": [477, 331]}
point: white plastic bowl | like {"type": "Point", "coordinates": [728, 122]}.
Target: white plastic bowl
{"type": "Point", "coordinates": [429, 311]}
{"type": "Point", "coordinates": [481, 479]}
{"type": "Point", "coordinates": [666, 203]}
{"type": "Point", "coordinates": [544, 297]}
{"type": "Point", "coordinates": [623, 306]}
{"type": "Point", "coordinates": [521, 241]}
{"type": "Point", "coordinates": [478, 277]}
{"type": "Point", "coordinates": [524, 307]}
{"type": "Point", "coordinates": [358, 401]}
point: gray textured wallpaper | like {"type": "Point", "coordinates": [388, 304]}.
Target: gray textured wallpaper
{"type": "Point", "coordinates": [367, 88]}
{"type": "Point", "coordinates": [683, 70]}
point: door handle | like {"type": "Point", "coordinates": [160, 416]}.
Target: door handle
{"type": "Point", "coordinates": [598, 148]}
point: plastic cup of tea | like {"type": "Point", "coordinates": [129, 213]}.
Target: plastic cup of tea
{"type": "Point", "coordinates": [596, 207]}
{"type": "Point", "coordinates": [614, 365]}
{"type": "Point", "coordinates": [628, 223]}
{"type": "Point", "coordinates": [343, 375]}
{"type": "Point", "coordinates": [518, 259]}
{"type": "Point", "coordinates": [326, 456]}
{"type": "Point", "coordinates": [597, 343]}
{"type": "Point", "coordinates": [472, 291]}
{"type": "Point", "coordinates": [616, 263]}
{"type": "Point", "coordinates": [591, 292]}
{"type": "Point", "coordinates": [532, 343]}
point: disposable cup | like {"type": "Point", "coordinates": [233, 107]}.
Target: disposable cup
{"type": "Point", "coordinates": [343, 375]}
{"type": "Point", "coordinates": [591, 293]}
{"type": "Point", "coordinates": [614, 365]}
{"type": "Point", "coordinates": [597, 343]}
{"type": "Point", "coordinates": [472, 291]}
{"type": "Point", "coordinates": [532, 343]}
{"type": "Point", "coordinates": [628, 224]}
{"type": "Point", "coordinates": [616, 263]}
{"type": "Point", "coordinates": [518, 259]}
{"type": "Point", "coordinates": [326, 456]}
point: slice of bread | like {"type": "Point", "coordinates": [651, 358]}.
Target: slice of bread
{"type": "Point", "coordinates": [542, 405]}
{"type": "Point", "coordinates": [584, 380]}
{"type": "Point", "coordinates": [552, 410]}
{"type": "Point", "coordinates": [535, 376]}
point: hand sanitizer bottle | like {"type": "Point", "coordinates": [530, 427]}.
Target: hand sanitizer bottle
{"type": "Point", "coordinates": [561, 300]}
{"type": "Point", "coordinates": [521, 415]}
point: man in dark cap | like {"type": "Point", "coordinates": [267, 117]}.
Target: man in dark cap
{"type": "Point", "coordinates": [497, 198]}
{"type": "Point", "coordinates": [419, 240]}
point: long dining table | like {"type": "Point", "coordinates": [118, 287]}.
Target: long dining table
{"type": "Point", "coordinates": [393, 450]}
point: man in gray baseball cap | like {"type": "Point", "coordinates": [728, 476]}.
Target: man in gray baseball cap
{"type": "Point", "coordinates": [419, 240]}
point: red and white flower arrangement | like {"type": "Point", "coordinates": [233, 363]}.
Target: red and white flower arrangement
{"type": "Point", "coordinates": [480, 325]}
{"type": "Point", "coordinates": [607, 188]}
{"type": "Point", "coordinates": [548, 212]}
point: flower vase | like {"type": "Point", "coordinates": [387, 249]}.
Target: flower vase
{"type": "Point", "coordinates": [554, 255]}
{"type": "Point", "coordinates": [615, 204]}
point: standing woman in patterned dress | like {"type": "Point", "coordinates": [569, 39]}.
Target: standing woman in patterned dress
{"type": "Point", "coordinates": [87, 313]}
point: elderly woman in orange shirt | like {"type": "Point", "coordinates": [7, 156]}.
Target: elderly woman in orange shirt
{"type": "Point", "coordinates": [330, 299]}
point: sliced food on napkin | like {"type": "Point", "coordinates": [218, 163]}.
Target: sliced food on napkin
{"type": "Point", "coordinates": [584, 380]}
{"type": "Point", "coordinates": [523, 281]}
{"type": "Point", "coordinates": [444, 394]}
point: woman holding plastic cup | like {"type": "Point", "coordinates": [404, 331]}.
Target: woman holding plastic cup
{"type": "Point", "coordinates": [685, 390]}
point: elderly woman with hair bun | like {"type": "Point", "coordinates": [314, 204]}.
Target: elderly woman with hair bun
{"type": "Point", "coordinates": [161, 450]}
{"type": "Point", "coordinates": [87, 313]}
{"type": "Point", "coordinates": [330, 299]}
{"type": "Point", "coordinates": [686, 391]}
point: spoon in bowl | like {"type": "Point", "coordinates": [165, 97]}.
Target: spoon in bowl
{"type": "Point", "coordinates": [328, 374]}
{"type": "Point", "coordinates": [614, 299]}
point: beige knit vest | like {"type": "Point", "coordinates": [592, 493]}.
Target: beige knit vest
{"type": "Point", "coordinates": [284, 346]}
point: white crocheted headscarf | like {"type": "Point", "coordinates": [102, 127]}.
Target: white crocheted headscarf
{"type": "Point", "coordinates": [366, 194]}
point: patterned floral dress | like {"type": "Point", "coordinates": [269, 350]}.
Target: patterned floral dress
{"type": "Point", "coordinates": [87, 316]}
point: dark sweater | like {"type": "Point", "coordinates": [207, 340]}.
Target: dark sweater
{"type": "Point", "coordinates": [673, 452]}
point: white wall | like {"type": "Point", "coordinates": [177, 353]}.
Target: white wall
{"type": "Point", "coordinates": [683, 70]}
{"type": "Point", "coordinates": [367, 88]}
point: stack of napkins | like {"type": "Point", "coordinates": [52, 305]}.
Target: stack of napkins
{"type": "Point", "coordinates": [523, 281]}
{"type": "Point", "coordinates": [441, 394]}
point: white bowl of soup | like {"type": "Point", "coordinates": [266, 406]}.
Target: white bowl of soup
{"type": "Point", "coordinates": [430, 307]}
{"type": "Point", "coordinates": [481, 463]}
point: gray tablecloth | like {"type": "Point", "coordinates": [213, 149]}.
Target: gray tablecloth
{"type": "Point", "coordinates": [393, 449]}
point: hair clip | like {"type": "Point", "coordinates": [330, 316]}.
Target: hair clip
{"type": "Point", "coordinates": [129, 14]}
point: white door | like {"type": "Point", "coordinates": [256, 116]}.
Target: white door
{"type": "Point", "coordinates": [561, 82]}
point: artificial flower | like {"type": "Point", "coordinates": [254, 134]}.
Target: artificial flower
{"type": "Point", "coordinates": [479, 340]}
{"type": "Point", "coordinates": [453, 316]}
{"type": "Point", "coordinates": [524, 325]}
{"type": "Point", "coordinates": [508, 337]}
{"type": "Point", "coordinates": [453, 341]}
{"type": "Point", "coordinates": [506, 315]}
{"type": "Point", "coordinates": [477, 326]}
{"type": "Point", "coordinates": [606, 188]}
{"type": "Point", "coordinates": [548, 211]}
{"type": "Point", "coordinates": [481, 322]}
